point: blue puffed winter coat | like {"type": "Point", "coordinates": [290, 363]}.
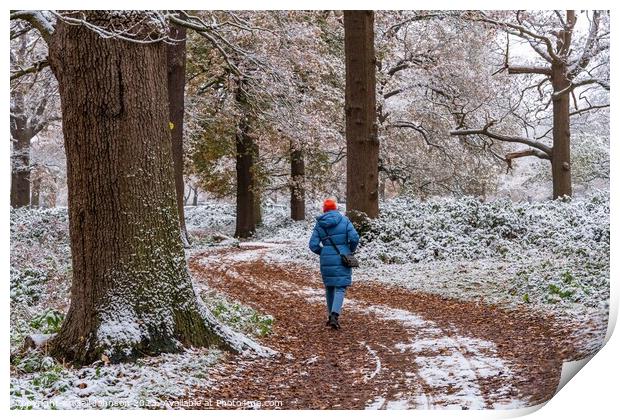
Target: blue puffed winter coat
{"type": "Point", "coordinates": [344, 235]}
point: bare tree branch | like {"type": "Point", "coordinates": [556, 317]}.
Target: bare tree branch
{"type": "Point", "coordinates": [523, 153]}
{"type": "Point", "coordinates": [501, 137]}
{"type": "Point", "coordinates": [590, 108]}
{"type": "Point", "coordinates": [34, 68]}
{"type": "Point", "coordinates": [525, 33]}
{"type": "Point", "coordinates": [529, 70]}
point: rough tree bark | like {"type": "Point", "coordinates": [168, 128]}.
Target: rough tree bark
{"type": "Point", "coordinates": [131, 293]}
{"type": "Point", "coordinates": [177, 53]}
{"type": "Point", "coordinates": [361, 115]}
{"type": "Point", "coordinates": [246, 152]}
{"type": "Point", "coordinates": [298, 172]}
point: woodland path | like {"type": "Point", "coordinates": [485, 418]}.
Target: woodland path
{"type": "Point", "coordinates": [397, 348]}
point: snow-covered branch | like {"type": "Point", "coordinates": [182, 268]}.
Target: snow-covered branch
{"type": "Point", "coordinates": [505, 138]}
{"type": "Point", "coordinates": [34, 68]}
{"type": "Point", "coordinates": [529, 70]}
{"type": "Point", "coordinates": [37, 19]}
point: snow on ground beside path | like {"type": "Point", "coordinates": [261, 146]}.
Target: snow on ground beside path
{"type": "Point", "coordinates": [150, 382]}
{"type": "Point", "coordinates": [40, 278]}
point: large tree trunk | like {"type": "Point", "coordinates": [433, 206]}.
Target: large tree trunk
{"type": "Point", "coordinates": [360, 108]}
{"type": "Point", "coordinates": [298, 172]}
{"type": "Point", "coordinates": [176, 103]}
{"type": "Point", "coordinates": [20, 171]}
{"type": "Point", "coordinates": [131, 293]}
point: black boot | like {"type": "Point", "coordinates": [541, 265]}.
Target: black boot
{"type": "Point", "coordinates": [333, 321]}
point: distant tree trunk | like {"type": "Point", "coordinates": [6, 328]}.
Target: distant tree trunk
{"type": "Point", "coordinates": [246, 203]}
{"type": "Point", "coordinates": [195, 202]}
{"type": "Point", "coordinates": [298, 171]}
{"type": "Point", "coordinates": [256, 188]}
{"type": "Point", "coordinates": [361, 116]}
{"type": "Point", "coordinates": [51, 196]}
{"type": "Point", "coordinates": [382, 187]}
{"type": "Point", "coordinates": [21, 135]}
{"type": "Point", "coordinates": [36, 192]}
{"type": "Point", "coordinates": [176, 102]}
{"type": "Point", "coordinates": [245, 155]}
{"type": "Point", "coordinates": [131, 293]}
{"type": "Point", "coordinates": [258, 210]}
{"type": "Point", "coordinates": [20, 171]}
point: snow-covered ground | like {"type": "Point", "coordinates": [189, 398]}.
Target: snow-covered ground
{"type": "Point", "coordinates": [552, 256]}
{"type": "Point", "coordinates": [155, 382]}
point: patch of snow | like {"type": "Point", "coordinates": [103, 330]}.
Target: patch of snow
{"type": "Point", "coordinates": [153, 382]}
{"type": "Point", "coordinates": [120, 329]}
{"type": "Point", "coordinates": [376, 404]}
{"type": "Point", "coordinates": [377, 363]}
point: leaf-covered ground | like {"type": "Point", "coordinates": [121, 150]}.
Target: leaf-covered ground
{"type": "Point", "coordinates": [397, 348]}
{"type": "Point", "coordinates": [458, 303]}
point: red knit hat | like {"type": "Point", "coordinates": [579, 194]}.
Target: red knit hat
{"type": "Point", "coordinates": [329, 204]}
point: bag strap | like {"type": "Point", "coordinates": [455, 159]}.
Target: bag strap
{"type": "Point", "coordinates": [330, 240]}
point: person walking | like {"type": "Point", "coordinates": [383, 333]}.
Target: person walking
{"type": "Point", "coordinates": [333, 235]}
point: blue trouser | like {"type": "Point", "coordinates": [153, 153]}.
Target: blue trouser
{"type": "Point", "coordinates": [335, 298]}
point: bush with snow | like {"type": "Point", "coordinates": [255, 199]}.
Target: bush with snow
{"type": "Point", "coordinates": [466, 228]}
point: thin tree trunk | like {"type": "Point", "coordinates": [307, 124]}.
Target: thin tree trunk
{"type": "Point", "coordinates": [360, 108]}
{"type": "Point", "coordinates": [52, 194]}
{"type": "Point", "coordinates": [258, 210]}
{"type": "Point", "coordinates": [298, 171]}
{"type": "Point", "coordinates": [36, 192]}
{"type": "Point", "coordinates": [176, 101]}
{"type": "Point", "coordinates": [195, 202]}
{"type": "Point", "coordinates": [21, 135]}
{"type": "Point", "coordinates": [20, 172]}
{"type": "Point", "coordinates": [131, 293]}
{"type": "Point", "coordinates": [258, 196]}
